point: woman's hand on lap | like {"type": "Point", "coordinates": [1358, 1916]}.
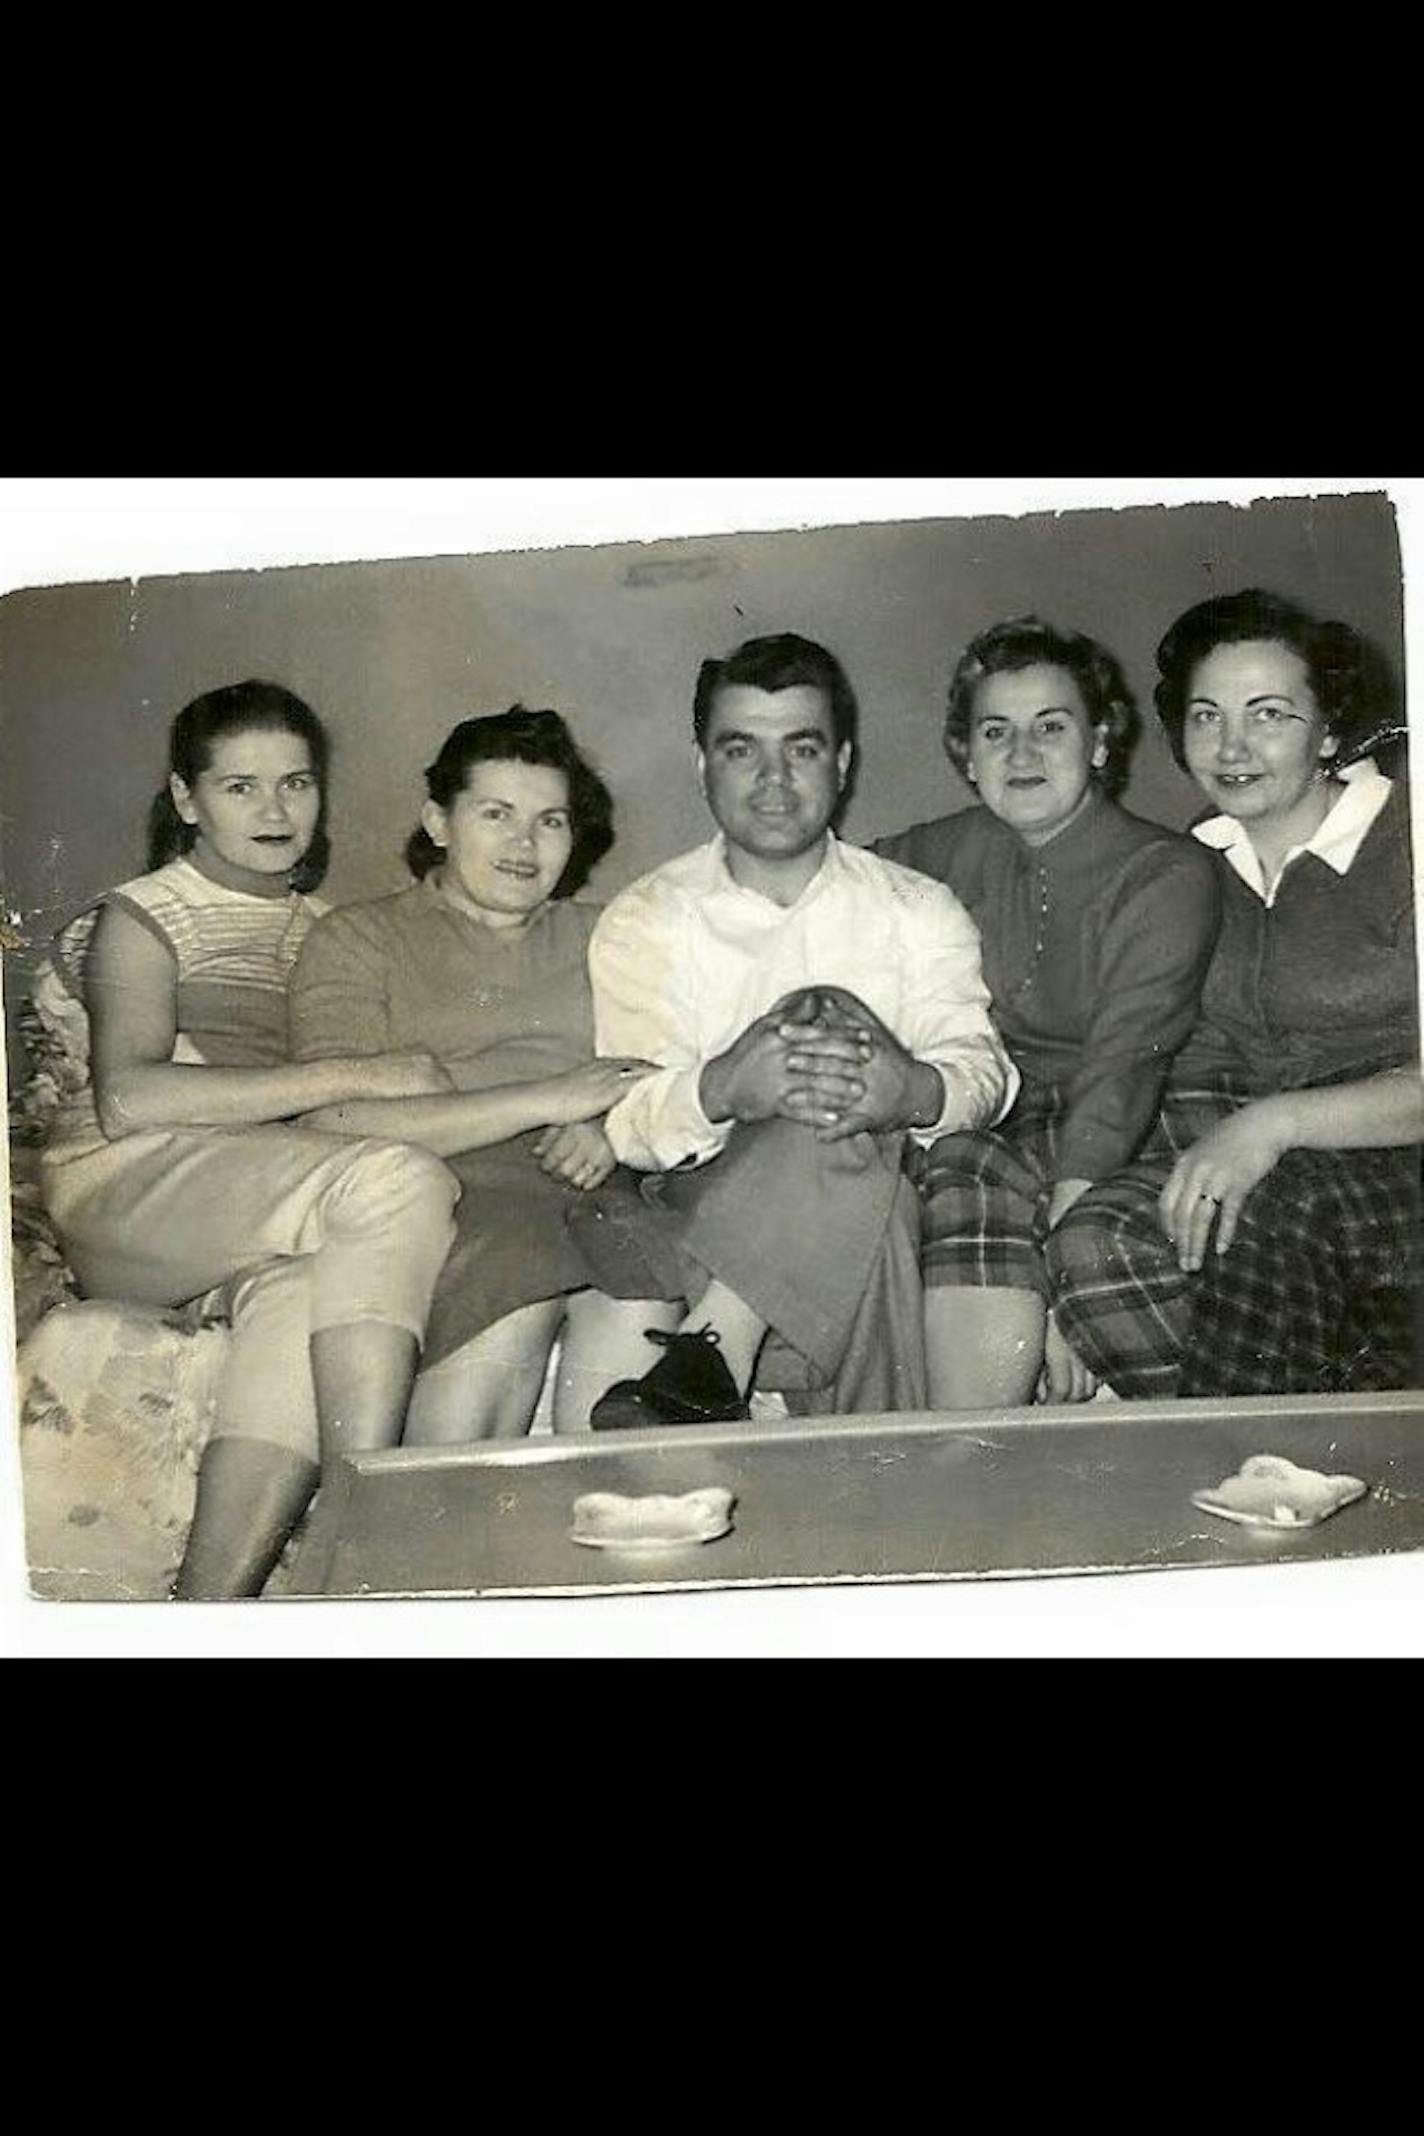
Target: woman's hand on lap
{"type": "Point", "coordinates": [580, 1154]}
{"type": "Point", "coordinates": [1209, 1185]}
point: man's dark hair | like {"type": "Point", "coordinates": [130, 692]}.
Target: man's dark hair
{"type": "Point", "coordinates": [783, 663]}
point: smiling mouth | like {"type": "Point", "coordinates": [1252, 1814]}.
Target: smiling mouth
{"type": "Point", "coordinates": [1026, 785]}
{"type": "Point", "coordinates": [519, 874]}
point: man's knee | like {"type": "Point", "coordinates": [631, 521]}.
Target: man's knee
{"type": "Point", "coordinates": [769, 1140]}
{"type": "Point", "coordinates": [772, 1150]}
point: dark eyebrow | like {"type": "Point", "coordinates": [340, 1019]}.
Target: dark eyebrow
{"type": "Point", "coordinates": [1044, 712]}
{"type": "Point", "coordinates": [1262, 697]}
{"type": "Point", "coordinates": [802, 734]}
{"type": "Point", "coordinates": [242, 772]}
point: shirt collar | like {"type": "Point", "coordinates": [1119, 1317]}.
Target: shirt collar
{"type": "Point", "coordinates": [1337, 842]}
{"type": "Point", "coordinates": [722, 878]}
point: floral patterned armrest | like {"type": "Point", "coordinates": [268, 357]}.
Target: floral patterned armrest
{"type": "Point", "coordinates": [116, 1404]}
{"type": "Point", "coordinates": [54, 1024]}
{"type": "Point", "coordinates": [42, 1277]}
{"type": "Point", "coordinates": [55, 1030]}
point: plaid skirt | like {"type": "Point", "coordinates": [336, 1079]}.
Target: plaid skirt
{"type": "Point", "coordinates": [1320, 1292]}
{"type": "Point", "coordinates": [984, 1200]}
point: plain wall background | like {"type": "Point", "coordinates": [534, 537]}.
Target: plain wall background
{"type": "Point", "coordinates": [393, 654]}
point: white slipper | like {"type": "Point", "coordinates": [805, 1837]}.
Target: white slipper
{"type": "Point", "coordinates": [1268, 1492]}
{"type": "Point", "coordinates": [604, 1521]}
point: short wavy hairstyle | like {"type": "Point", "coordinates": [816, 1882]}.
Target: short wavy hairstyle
{"type": "Point", "coordinates": [521, 737]}
{"type": "Point", "coordinates": [781, 663]}
{"type": "Point", "coordinates": [1351, 682]}
{"type": "Point", "coordinates": [1029, 642]}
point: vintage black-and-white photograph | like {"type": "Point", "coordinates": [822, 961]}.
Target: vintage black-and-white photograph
{"type": "Point", "coordinates": [884, 1052]}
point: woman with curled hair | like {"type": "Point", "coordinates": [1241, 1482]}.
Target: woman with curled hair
{"type": "Point", "coordinates": [1268, 1242]}
{"type": "Point", "coordinates": [484, 964]}
{"type": "Point", "coordinates": [1097, 929]}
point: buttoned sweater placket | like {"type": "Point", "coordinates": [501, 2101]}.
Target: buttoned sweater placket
{"type": "Point", "coordinates": [1043, 905]}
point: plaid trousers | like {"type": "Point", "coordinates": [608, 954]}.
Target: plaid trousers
{"type": "Point", "coordinates": [1320, 1292]}
{"type": "Point", "coordinates": [984, 1201]}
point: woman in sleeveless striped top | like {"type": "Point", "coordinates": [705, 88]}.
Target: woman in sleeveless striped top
{"type": "Point", "coordinates": [176, 1178]}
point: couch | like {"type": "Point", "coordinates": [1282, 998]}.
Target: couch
{"type": "Point", "coordinates": [115, 1401]}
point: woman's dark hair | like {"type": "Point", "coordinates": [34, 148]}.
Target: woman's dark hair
{"type": "Point", "coordinates": [241, 708]}
{"type": "Point", "coordinates": [1029, 642]}
{"type": "Point", "coordinates": [1350, 681]}
{"type": "Point", "coordinates": [782, 663]}
{"type": "Point", "coordinates": [521, 737]}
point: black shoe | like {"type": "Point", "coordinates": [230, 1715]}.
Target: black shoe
{"type": "Point", "coordinates": [690, 1385]}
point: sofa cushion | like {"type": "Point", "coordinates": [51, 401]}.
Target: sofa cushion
{"type": "Point", "coordinates": [116, 1404]}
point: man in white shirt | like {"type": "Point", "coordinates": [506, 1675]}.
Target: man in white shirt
{"type": "Point", "coordinates": [808, 1006]}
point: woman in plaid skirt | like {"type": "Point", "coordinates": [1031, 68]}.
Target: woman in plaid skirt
{"type": "Point", "coordinates": [1267, 1240]}
{"type": "Point", "coordinates": [1098, 930]}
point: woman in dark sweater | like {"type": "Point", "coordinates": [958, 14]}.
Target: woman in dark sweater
{"type": "Point", "coordinates": [1268, 1241]}
{"type": "Point", "coordinates": [1098, 929]}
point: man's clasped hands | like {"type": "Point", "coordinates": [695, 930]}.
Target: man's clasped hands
{"type": "Point", "coordinates": [822, 1058]}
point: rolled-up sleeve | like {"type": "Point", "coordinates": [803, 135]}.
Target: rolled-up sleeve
{"type": "Point", "coordinates": [947, 1022]}
{"type": "Point", "coordinates": [643, 974]}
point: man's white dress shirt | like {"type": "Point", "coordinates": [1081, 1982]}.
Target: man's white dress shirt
{"type": "Point", "coordinates": [687, 958]}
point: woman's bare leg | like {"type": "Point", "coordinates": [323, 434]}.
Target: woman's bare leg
{"type": "Point", "coordinates": [363, 1376]}
{"type": "Point", "coordinates": [984, 1348]}
{"type": "Point", "coordinates": [490, 1388]}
